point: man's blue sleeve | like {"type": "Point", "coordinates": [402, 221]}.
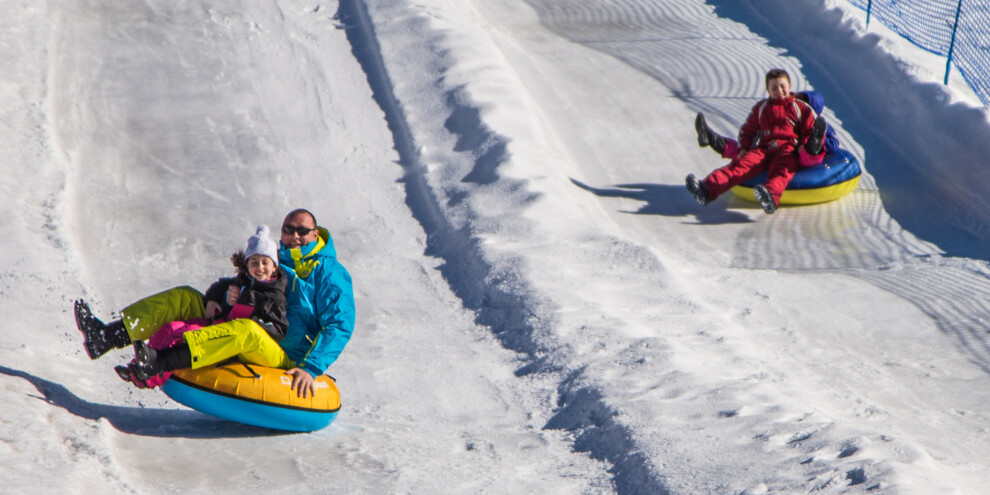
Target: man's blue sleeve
{"type": "Point", "coordinates": [334, 306]}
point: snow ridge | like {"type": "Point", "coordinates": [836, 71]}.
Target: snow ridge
{"type": "Point", "coordinates": [488, 283]}
{"type": "Point", "coordinates": [471, 277]}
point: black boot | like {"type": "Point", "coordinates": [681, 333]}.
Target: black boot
{"type": "Point", "coordinates": [129, 373]}
{"type": "Point", "coordinates": [152, 362]}
{"type": "Point", "coordinates": [698, 189]}
{"type": "Point", "coordinates": [100, 338]}
{"type": "Point", "coordinates": [708, 137]}
{"type": "Point", "coordinates": [765, 199]}
{"type": "Point", "coordinates": [814, 145]}
{"type": "Point", "coordinates": [124, 373]}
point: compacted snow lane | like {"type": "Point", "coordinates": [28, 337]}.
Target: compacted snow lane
{"type": "Point", "coordinates": [541, 306]}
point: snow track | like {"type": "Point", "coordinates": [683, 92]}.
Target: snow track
{"type": "Point", "coordinates": [541, 306]}
{"type": "Point", "coordinates": [508, 126]}
{"type": "Point", "coordinates": [496, 291]}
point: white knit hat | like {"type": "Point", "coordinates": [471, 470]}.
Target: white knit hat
{"type": "Point", "coordinates": [261, 243]}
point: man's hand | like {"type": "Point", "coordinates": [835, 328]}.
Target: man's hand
{"type": "Point", "coordinates": [302, 382]}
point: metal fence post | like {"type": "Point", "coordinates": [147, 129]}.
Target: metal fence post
{"type": "Point", "coordinates": [869, 7]}
{"type": "Point", "coordinates": [952, 44]}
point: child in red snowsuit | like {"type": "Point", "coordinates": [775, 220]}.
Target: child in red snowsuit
{"type": "Point", "coordinates": [823, 139]}
{"type": "Point", "coordinates": [768, 141]}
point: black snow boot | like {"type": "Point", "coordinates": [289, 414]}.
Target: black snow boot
{"type": "Point", "coordinates": [128, 373]}
{"type": "Point", "coordinates": [697, 188]}
{"type": "Point", "coordinates": [765, 199]}
{"type": "Point", "coordinates": [814, 145]}
{"type": "Point", "coordinates": [708, 137]}
{"type": "Point", "coordinates": [152, 362]}
{"type": "Point", "coordinates": [124, 373]}
{"type": "Point", "coordinates": [100, 337]}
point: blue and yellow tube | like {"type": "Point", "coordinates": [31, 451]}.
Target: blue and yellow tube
{"type": "Point", "coordinates": [835, 177]}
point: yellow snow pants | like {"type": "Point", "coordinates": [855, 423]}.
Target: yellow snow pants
{"type": "Point", "coordinates": [244, 338]}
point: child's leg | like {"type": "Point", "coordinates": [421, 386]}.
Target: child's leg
{"type": "Point", "coordinates": [782, 167]}
{"type": "Point", "coordinates": [170, 333]}
{"type": "Point", "coordinates": [242, 338]}
{"type": "Point", "coordinates": [143, 318]}
{"type": "Point", "coordinates": [731, 149]}
{"type": "Point", "coordinates": [708, 137]}
{"type": "Point", "coordinates": [806, 159]}
{"type": "Point", "coordinates": [736, 172]}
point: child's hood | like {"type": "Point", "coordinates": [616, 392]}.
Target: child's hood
{"type": "Point", "coordinates": [816, 101]}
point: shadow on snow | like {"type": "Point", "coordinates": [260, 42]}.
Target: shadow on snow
{"type": "Point", "coordinates": [174, 423]}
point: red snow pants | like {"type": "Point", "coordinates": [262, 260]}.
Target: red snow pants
{"type": "Point", "coordinates": [780, 162]}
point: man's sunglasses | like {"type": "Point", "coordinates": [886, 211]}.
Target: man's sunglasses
{"type": "Point", "coordinates": [302, 231]}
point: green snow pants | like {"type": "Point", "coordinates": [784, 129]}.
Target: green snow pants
{"type": "Point", "coordinates": [143, 318]}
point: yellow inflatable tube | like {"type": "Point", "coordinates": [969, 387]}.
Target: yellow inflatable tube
{"type": "Point", "coordinates": [255, 395]}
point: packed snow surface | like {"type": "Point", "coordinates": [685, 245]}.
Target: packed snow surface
{"type": "Point", "coordinates": [542, 307]}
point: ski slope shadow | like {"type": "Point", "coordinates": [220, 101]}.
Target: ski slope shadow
{"type": "Point", "coordinates": [171, 423]}
{"type": "Point", "coordinates": [500, 297]}
{"type": "Point", "coordinates": [954, 292]}
{"type": "Point", "coordinates": [856, 237]}
{"type": "Point", "coordinates": [852, 232]}
{"type": "Point", "coordinates": [667, 200]}
{"type": "Point", "coordinates": [582, 411]}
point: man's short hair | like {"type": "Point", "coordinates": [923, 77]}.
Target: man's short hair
{"type": "Point", "coordinates": [301, 211]}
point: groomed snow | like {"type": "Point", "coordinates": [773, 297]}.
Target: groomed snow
{"type": "Point", "coordinates": [542, 308]}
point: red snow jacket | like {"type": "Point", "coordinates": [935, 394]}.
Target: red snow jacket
{"type": "Point", "coordinates": [774, 122]}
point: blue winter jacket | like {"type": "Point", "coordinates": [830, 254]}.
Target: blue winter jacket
{"type": "Point", "coordinates": [320, 304]}
{"type": "Point", "coordinates": [817, 103]}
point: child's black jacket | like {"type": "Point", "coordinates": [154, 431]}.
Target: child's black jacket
{"type": "Point", "coordinates": [267, 299]}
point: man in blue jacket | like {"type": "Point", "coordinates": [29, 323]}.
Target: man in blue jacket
{"type": "Point", "coordinates": [320, 307]}
{"type": "Point", "coordinates": [319, 330]}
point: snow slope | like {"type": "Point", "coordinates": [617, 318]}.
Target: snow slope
{"type": "Point", "coordinates": [541, 306]}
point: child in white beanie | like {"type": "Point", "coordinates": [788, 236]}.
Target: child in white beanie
{"type": "Point", "coordinates": [258, 290]}
{"type": "Point", "coordinates": [257, 293]}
